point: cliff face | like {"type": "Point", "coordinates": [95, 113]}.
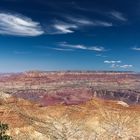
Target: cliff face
{"type": "Point", "coordinates": [128, 96]}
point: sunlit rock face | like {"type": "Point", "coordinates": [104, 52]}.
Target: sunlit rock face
{"type": "Point", "coordinates": [128, 96]}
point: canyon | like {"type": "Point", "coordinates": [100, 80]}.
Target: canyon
{"type": "Point", "coordinates": [40, 105]}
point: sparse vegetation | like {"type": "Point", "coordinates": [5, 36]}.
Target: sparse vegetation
{"type": "Point", "coordinates": [3, 129]}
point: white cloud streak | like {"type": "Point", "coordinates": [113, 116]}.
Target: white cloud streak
{"type": "Point", "coordinates": [117, 64]}
{"type": "Point", "coordinates": [126, 66]}
{"type": "Point", "coordinates": [18, 25]}
{"type": "Point", "coordinates": [86, 22]}
{"type": "Point", "coordinates": [80, 21]}
{"type": "Point", "coordinates": [101, 55]}
{"type": "Point", "coordinates": [82, 47]}
{"type": "Point", "coordinates": [96, 48]}
{"type": "Point", "coordinates": [112, 61]}
{"type": "Point", "coordinates": [61, 49]}
{"type": "Point", "coordinates": [135, 49]}
{"type": "Point", "coordinates": [117, 15]}
{"type": "Point", "coordinates": [64, 28]}
{"type": "Point", "coordinates": [102, 23]}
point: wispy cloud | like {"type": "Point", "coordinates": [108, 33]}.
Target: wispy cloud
{"type": "Point", "coordinates": [96, 48]}
{"type": "Point", "coordinates": [65, 44]}
{"type": "Point", "coordinates": [117, 64]}
{"type": "Point", "coordinates": [119, 16]}
{"type": "Point", "coordinates": [136, 48]}
{"type": "Point", "coordinates": [64, 28]}
{"type": "Point", "coordinates": [18, 25]}
{"type": "Point", "coordinates": [121, 66]}
{"type": "Point", "coordinates": [126, 66]}
{"type": "Point", "coordinates": [55, 48]}
{"type": "Point", "coordinates": [102, 23]}
{"type": "Point", "coordinates": [72, 24]}
{"type": "Point", "coordinates": [101, 55]}
{"type": "Point", "coordinates": [82, 47]}
{"type": "Point", "coordinates": [114, 66]}
{"type": "Point", "coordinates": [112, 61]}
{"type": "Point", "coordinates": [81, 21]}
{"type": "Point", "coordinates": [61, 49]}
{"type": "Point", "coordinates": [60, 27]}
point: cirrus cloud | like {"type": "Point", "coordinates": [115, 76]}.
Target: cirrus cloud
{"type": "Point", "coordinates": [126, 66]}
{"type": "Point", "coordinates": [18, 25]}
{"type": "Point", "coordinates": [64, 28]}
{"type": "Point", "coordinates": [81, 21]}
{"type": "Point", "coordinates": [118, 16]}
{"type": "Point", "coordinates": [117, 64]}
{"type": "Point", "coordinates": [112, 61]}
{"type": "Point", "coordinates": [135, 49]}
{"type": "Point", "coordinates": [83, 47]}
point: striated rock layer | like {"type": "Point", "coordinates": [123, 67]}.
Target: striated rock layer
{"type": "Point", "coordinates": [70, 88]}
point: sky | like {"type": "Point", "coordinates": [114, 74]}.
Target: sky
{"type": "Point", "coordinates": [53, 35]}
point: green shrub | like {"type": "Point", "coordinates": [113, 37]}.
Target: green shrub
{"type": "Point", "coordinates": [3, 129]}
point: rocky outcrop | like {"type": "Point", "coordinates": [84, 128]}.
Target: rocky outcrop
{"type": "Point", "coordinates": [128, 96]}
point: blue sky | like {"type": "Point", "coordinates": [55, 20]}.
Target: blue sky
{"type": "Point", "coordinates": [69, 35]}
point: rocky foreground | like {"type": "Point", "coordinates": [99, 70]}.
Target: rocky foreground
{"type": "Point", "coordinates": [71, 105]}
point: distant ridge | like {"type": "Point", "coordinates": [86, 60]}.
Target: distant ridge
{"type": "Point", "coordinates": [69, 71]}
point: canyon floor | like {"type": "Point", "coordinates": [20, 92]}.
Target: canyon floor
{"type": "Point", "coordinates": [71, 105]}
